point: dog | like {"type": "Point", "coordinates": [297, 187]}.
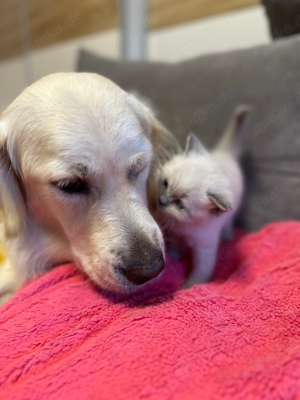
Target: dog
{"type": "Point", "coordinates": [76, 152]}
{"type": "Point", "coordinates": [198, 195]}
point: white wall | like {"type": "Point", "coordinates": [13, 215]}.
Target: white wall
{"type": "Point", "coordinates": [234, 30]}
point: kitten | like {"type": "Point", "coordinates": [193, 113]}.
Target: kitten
{"type": "Point", "coordinates": [198, 194]}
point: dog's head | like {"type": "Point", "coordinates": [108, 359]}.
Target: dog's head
{"type": "Point", "coordinates": [75, 154]}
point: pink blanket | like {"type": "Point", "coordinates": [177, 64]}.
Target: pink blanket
{"type": "Point", "coordinates": [237, 337]}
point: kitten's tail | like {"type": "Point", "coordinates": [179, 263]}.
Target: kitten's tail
{"type": "Point", "coordinates": [231, 141]}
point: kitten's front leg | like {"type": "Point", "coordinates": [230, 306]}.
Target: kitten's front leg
{"type": "Point", "coordinates": [204, 259]}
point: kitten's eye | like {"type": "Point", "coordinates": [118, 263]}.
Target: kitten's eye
{"type": "Point", "coordinates": [165, 182]}
{"type": "Point", "coordinates": [71, 186]}
{"type": "Point", "coordinates": [179, 204]}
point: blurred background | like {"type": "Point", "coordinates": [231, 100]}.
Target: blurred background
{"type": "Point", "coordinates": [197, 61]}
{"type": "Point", "coordinates": [39, 37]}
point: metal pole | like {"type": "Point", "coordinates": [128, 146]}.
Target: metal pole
{"type": "Point", "coordinates": [133, 16]}
{"type": "Point", "coordinates": [25, 39]}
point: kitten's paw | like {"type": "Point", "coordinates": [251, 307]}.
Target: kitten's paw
{"type": "Point", "coordinates": [189, 283]}
{"type": "Point", "coordinates": [197, 278]}
{"type": "Point", "coordinates": [192, 281]}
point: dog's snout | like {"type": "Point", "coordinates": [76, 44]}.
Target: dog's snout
{"type": "Point", "coordinates": [140, 274]}
{"type": "Point", "coordinates": [163, 200]}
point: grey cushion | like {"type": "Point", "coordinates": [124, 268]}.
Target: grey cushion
{"type": "Point", "coordinates": [284, 17]}
{"type": "Point", "coordinates": [201, 94]}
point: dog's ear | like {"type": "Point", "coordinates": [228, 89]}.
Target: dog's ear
{"type": "Point", "coordinates": [193, 145]}
{"type": "Point", "coordinates": [12, 201]}
{"type": "Point", "coordinates": [164, 144]}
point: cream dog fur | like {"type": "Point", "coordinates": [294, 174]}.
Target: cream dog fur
{"type": "Point", "coordinates": [75, 155]}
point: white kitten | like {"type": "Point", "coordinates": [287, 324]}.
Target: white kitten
{"type": "Point", "coordinates": [198, 194]}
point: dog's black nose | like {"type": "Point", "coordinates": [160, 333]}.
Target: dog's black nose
{"type": "Point", "coordinates": [140, 274]}
{"type": "Point", "coordinates": [163, 200]}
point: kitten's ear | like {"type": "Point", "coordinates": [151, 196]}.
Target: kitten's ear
{"type": "Point", "coordinates": [221, 201]}
{"type": "Point", "coordinates": [193, 145]}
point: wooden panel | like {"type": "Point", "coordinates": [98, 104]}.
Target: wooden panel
{"type": "Point", "coordinates": [52, 21]}
{"type": "Point", "coordinates": [170, 12]}
{"type": "Point", "coordinates": [64, 19]}
{"type": "Point", "coordinates": [10, 45]}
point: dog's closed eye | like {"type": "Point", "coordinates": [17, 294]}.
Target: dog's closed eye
{"type": "Point", "coordinates": [136, 165]}
{"type": "Point", "coordinates": [72, 185]}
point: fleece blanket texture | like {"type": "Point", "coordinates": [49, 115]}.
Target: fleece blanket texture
{"type": "Point", "coordinates": [237, 337]}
